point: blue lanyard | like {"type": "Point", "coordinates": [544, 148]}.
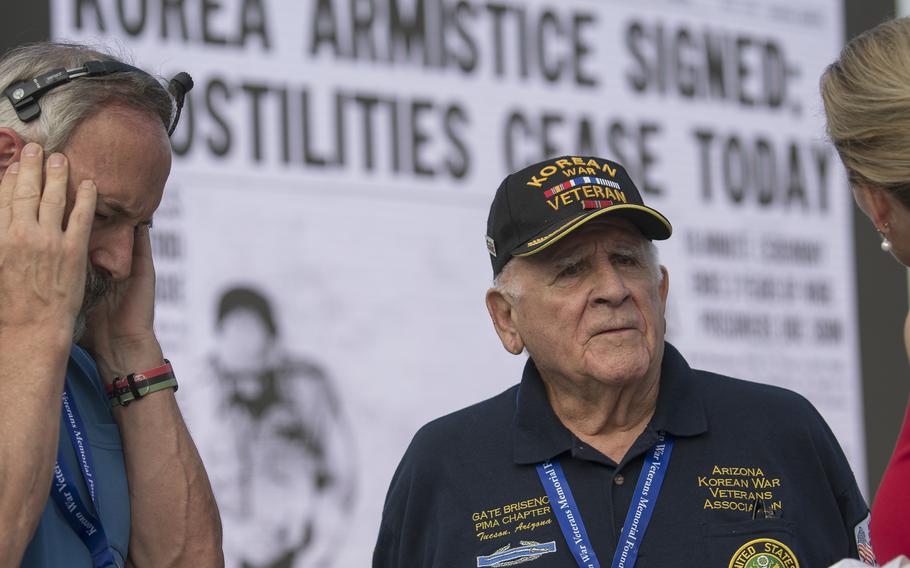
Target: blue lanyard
{"type": "Point", "coordinates": [66, 495]}
{"type": "Point", "coordinates": [633, 531]}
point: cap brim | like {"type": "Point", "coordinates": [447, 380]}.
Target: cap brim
{"type": "Point", "coordinates": [652, 224]}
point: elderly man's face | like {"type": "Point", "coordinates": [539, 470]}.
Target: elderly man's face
{"type": "Point", "coordinates": [592, 306]}
{"type": "Point", "coordinates": [127, 154]}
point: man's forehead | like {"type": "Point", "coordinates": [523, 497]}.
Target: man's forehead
{"type": "Point", "coordinates": [619, 232]}
{"type": "Point", "coordinates": [126, 153]}
{"type": "Point", "coordinates": [611, 224]}
{"type": "Point", "coordinates": [114, 205]}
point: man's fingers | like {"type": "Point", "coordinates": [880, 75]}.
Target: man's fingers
{"type": "Point", "coordinates": [53, 198]}
{"type": "Point", "coordinates": [142, 244]}
{"type": "Point", "coordinates": [27, 191]}
{"type": "Point", "coordinates": [6, 193]}
{"type": "Point", "coordinates": [79, 225]}
{"type": "Point", "coordinates": [142, 253]}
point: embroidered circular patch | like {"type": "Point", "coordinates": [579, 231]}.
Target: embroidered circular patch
{"type": "Point", "coordinates": [764, 553]}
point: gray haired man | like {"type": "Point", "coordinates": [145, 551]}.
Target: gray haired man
{"type": "Point", "coordinates": [729, 473]}
{"type": "Point", "coordinates": [97, 466]}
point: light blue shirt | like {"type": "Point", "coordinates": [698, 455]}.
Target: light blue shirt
{"type": "Point", "coordinates": [54, 543]}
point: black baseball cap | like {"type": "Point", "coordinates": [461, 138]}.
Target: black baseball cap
{"type": "Point", "coordinates": [539, 205]}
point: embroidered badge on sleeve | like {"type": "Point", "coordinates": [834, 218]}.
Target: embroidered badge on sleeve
{"type": "Point", "coordinates": [864, 541]}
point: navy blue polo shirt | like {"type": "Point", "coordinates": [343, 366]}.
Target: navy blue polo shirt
{"type": "Point", "coordinates": [54, 543]}
{"type": "Point", "coordinates": [467, 486]}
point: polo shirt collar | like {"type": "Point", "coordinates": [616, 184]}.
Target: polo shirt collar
{"type": "Point", "coordinates": [540, 435]}
{"type": "Point", "coordinates": [680, 410]}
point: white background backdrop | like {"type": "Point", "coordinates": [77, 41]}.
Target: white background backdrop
{"type": "Point", "coordinates": [377, 268]}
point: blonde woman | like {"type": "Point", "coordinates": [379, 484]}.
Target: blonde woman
{"type": "Point", "coordinates": [867, 102]}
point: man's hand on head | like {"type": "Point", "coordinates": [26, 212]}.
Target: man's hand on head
{"type": "Point", "coordinates": [42, 266]}
{"type": "Point", "coordinates": [120, 331]}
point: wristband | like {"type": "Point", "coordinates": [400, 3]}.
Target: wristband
{"type": "Point", "coordinates": [134, 386]}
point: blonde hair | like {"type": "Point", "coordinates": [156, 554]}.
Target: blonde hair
{"type": "Point", "coordinates": [866, 94]}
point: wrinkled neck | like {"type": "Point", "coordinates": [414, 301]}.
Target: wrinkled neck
{"type": "Point", "coordinates": [608, 417]}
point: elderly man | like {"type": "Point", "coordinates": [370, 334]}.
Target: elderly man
{"type": "Point", "coordinates": [97, 467]}
{"type": "Point", "coordinates": [611, 450]}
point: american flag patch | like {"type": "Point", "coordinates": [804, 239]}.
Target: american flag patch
{"type": "Point", "coordinates": [864, 541]}
{"type": "Point", "coordinates": [569, 184]}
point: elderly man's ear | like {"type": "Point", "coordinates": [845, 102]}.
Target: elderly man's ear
{"type": "Point", "coordinates": [10, 147]}
{"type": "Point", "coordinates": [502, 311]}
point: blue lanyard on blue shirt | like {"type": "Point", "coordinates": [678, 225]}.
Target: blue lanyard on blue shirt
{"type": "Point", "coordinates": [633, 531]}
{"type": "Point", "coordinates": [66, 495]}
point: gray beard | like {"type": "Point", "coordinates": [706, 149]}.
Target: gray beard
{"type": "Point", "coordinates": [98, 284]}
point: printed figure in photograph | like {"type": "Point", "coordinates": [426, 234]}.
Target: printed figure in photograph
{"type": "Point", "coordinates": [276, 443]}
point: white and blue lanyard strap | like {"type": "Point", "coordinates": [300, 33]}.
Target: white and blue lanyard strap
{"type": "Point", "coordinates": [86, 525]}
{"type": "Point", "coordinates": [633, 531]}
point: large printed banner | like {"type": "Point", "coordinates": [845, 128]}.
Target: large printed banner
{"type": "Point", "coordinates": [321, 253]}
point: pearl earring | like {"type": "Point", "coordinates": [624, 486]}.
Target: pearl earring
{"type": "Point", "coordinates": [886, 244]}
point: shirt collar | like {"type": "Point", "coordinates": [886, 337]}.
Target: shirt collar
{"type": "Point", "coordinates": [539, 434]}
{"type": "Point", "coordinates": [680, 410]}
